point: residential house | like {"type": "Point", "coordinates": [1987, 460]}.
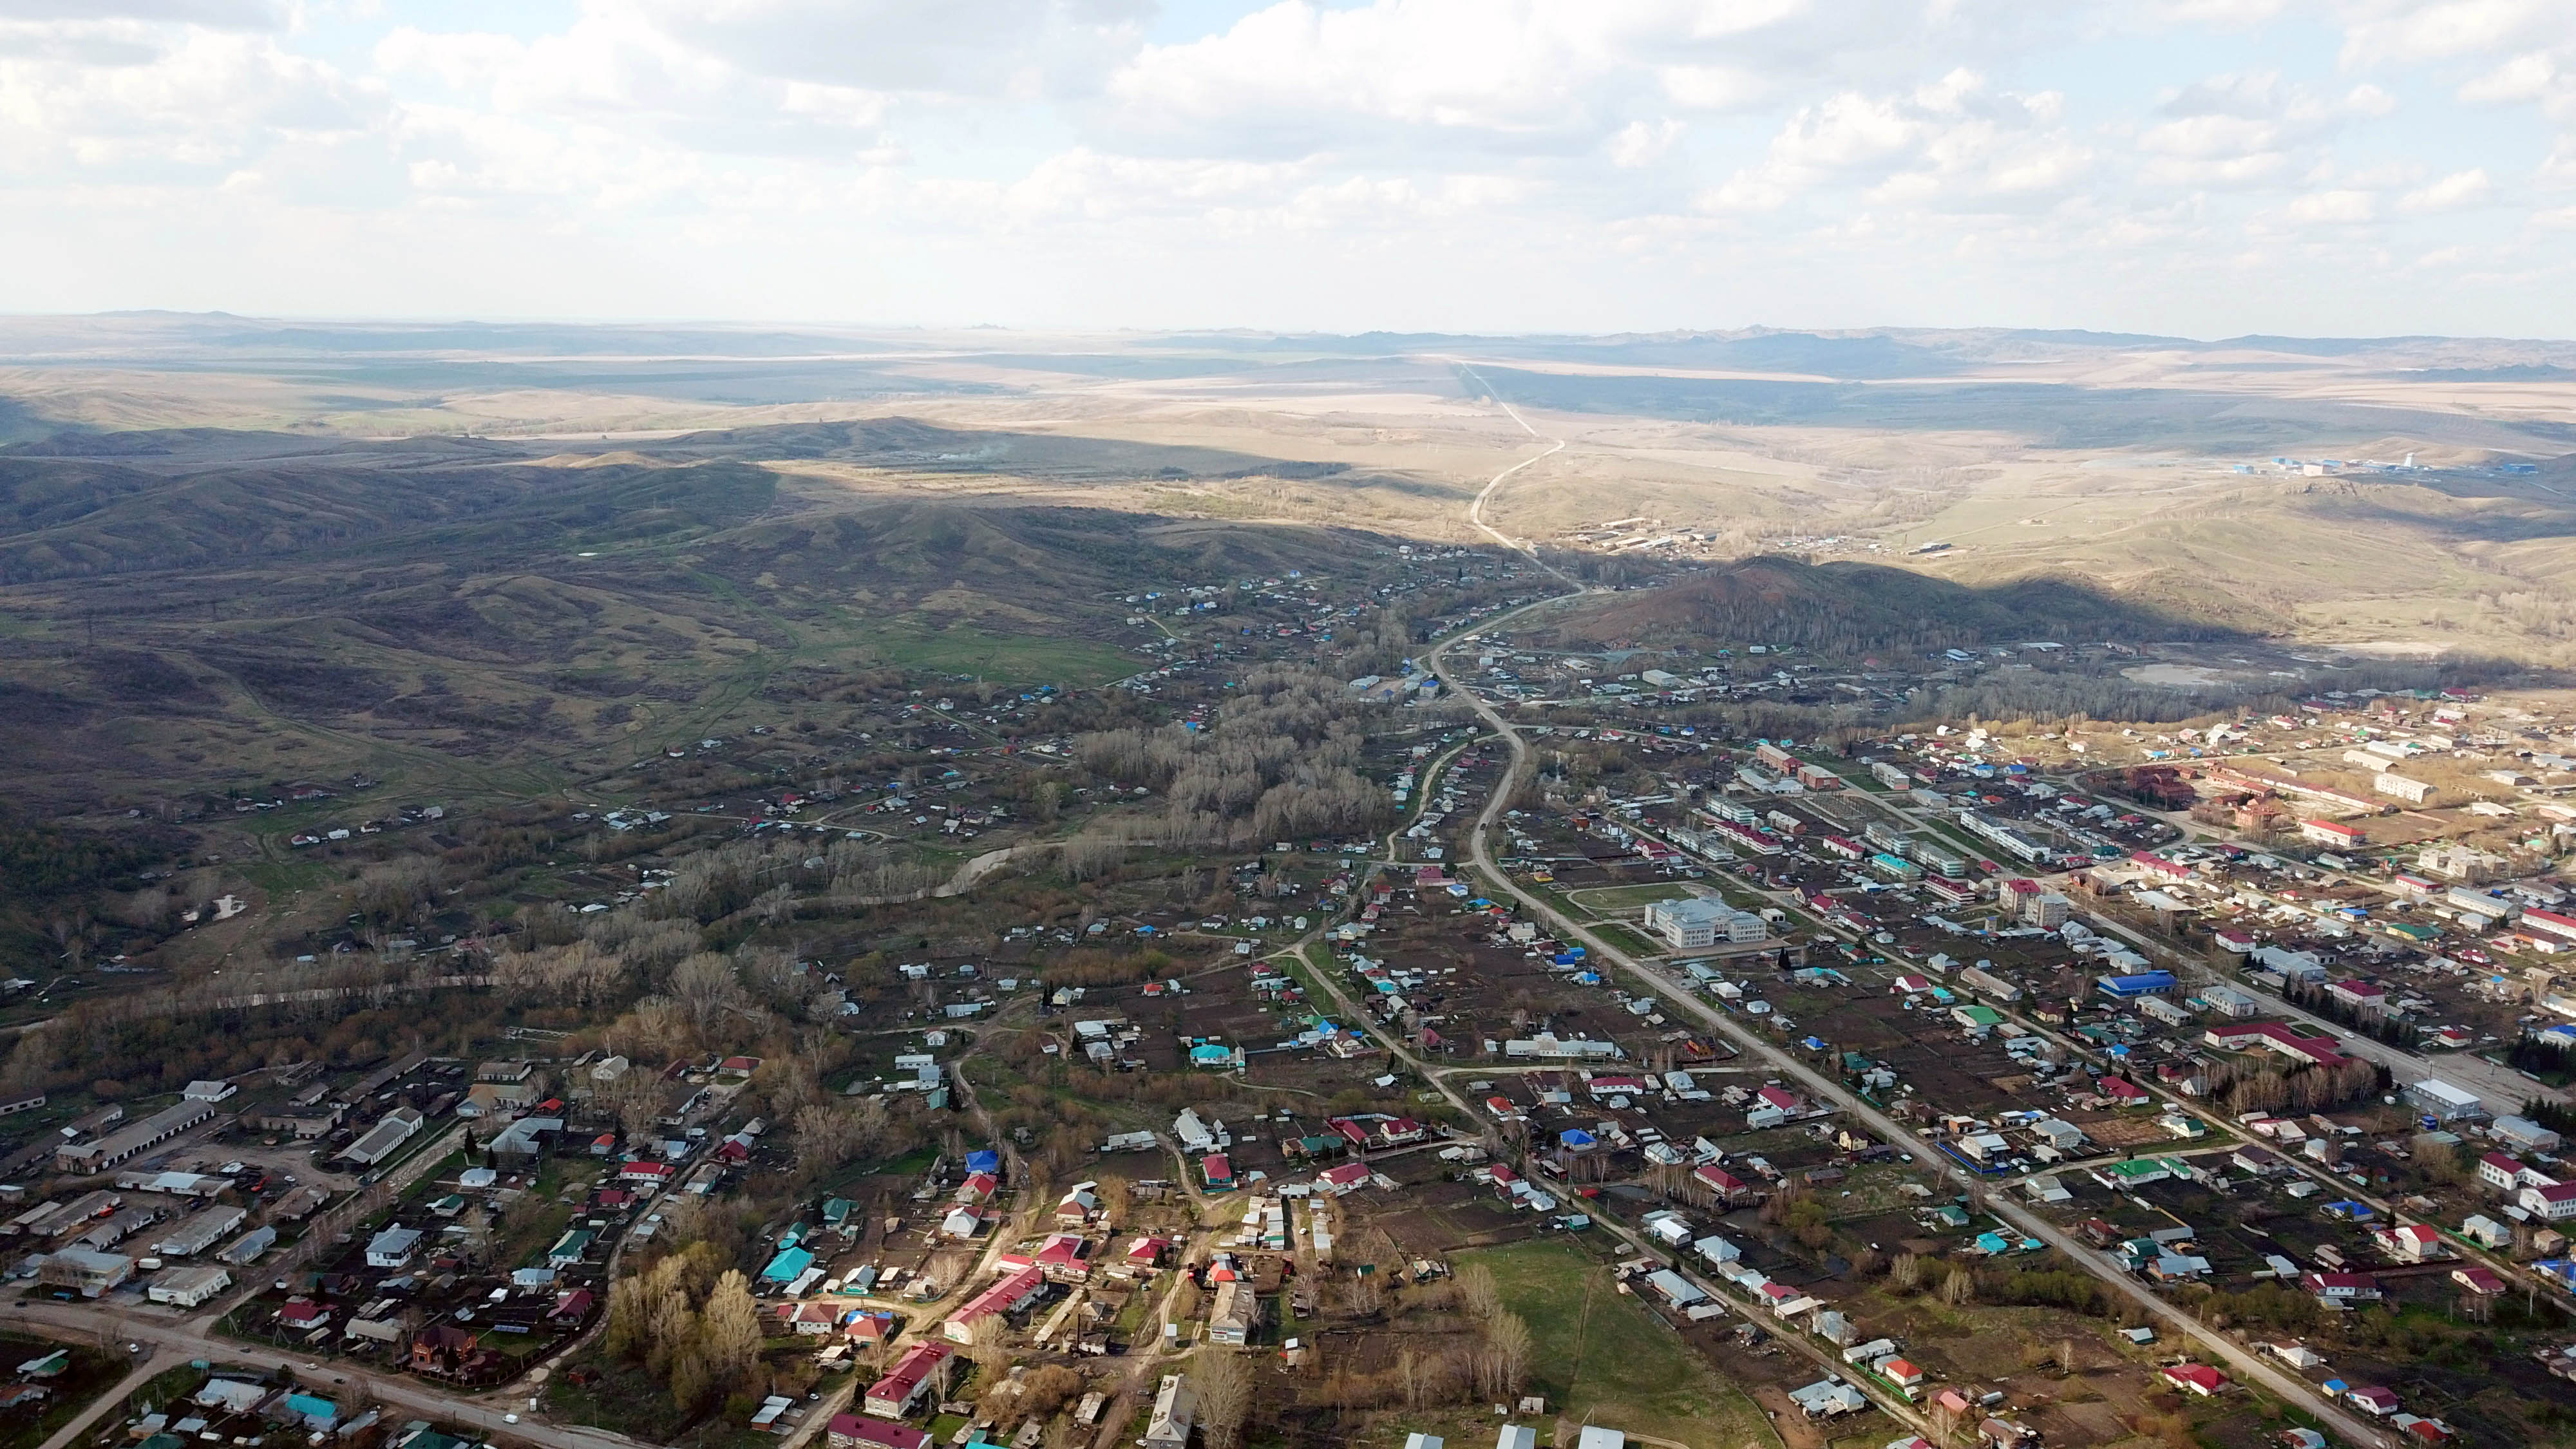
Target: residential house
{"type": "Point", "coordinates": [2553, 1203]}
{"type": "Point", "coordinates": [393, 1247]}
{"type": "Point", "coordinates": [2413, 1243]}
{"type": "Point", "coordinates": [2343, 1288]}
{"type": "Point", "coordinates": [445, 1351]}
{"type": "Point", "coordinates": [2480, 1281]}
{"type": "Point", "coordinates": [2198, 1378]}
{"type": "Point", "coordinates": [866, 1431]}
{"type": "Point", "coordinates": [922, 1367]}
{"type": "Point", "coordinates": [1175, 1414]}
{"type": "Point", "coordinates": [1234, 1313]}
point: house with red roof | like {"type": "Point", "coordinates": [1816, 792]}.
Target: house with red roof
{"type": "Point", "coordinates": [2413, 1243]}
{"type": "Point", "coordinates": [1015, 1291]}
{"type": "Point", "coordinates": [1345, 1178]}
{"type": "Point", "coordinates": [1065, 1258]}
{"type": "Point", "coordinates": [2199, 1378]}
{"type": "Point", "coordinates": [1218, 1171]}
{"type": "Point", "coordinates": [810, 1319]}
{"type": "Point", "coordinates": [2273, 1036]}
{"type": "Point", "coordinates": [2123, 1091]}
{"type": "Point", "coordinates": [1398, 1132]}
{"type": "Point", "coordinates": [2372, 1400]}
{"type": "Point", "coordinates": [912, 1377]}
{"type": "Point", "coordinates": [1729, 1188]}
{"type": "Point", "coordinates": [977, 1188]}
{"type": "Point", "coordinates": [645, 1174]}
{"type": "Point", "coordinates": [2480, 1281]}
{"type": "Point", "coordinates": [865, 1431]}
{"type": "Point", "coordinates": [2552, 1203]}
{"type": "Point", "coordinates": [304, 1313]}
{"type": "Point", "coordinates": [2343, 1287]}
{"type": "Point", "coordinates": [2499, 1171]}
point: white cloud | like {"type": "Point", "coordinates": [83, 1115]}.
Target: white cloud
{"type": "Point", "coordinates": [222, 14]}
{"type": "Point", "coordinates": [1640, 143]}
{"type": "Point", "coordinates": [999, 48]}
{"type": "Point", "coordinates": [2459, 189]}
{"type": "Point", "coordinates": [113, 100]}
{"type": "Point", "coordinates": [2523, 78]}
{"type": "Point", "coordinates": [2408, 32]}
{"type": "Point", "coordinates": [1658, 160]}
{"type": "Point", "coordinates": [2248, 129]}
{"type": "Point", "coordinates": [1949, 143]}
{"type": "Point", "coordinates": [2345, 207]}
{"type": "Point", "coordinates": [1713, 87]}
{"type": "Point", "coordinates": [613, 69]}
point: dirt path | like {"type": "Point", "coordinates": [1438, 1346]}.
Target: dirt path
{"type": "Point", "coordinates": [114, 1398]}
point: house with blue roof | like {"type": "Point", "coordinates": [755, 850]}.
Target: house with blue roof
{"type": "Point", "coordinates": [315, 1411]}
{"type": "Point", "coordinates": [787, 1266]}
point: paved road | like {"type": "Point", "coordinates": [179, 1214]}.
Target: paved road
{"type": "Point", "coordinates": [2502, 1088]}
{"type": "Point", "coordinates": [81, 1323]}
{"type": "Point", "coordinates": [2246, 1364]}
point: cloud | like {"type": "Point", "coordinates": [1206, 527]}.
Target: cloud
{"type": "Point", "coordinates": [2459, 189]}
{"type": "Point", "coordinates": [222, 14]}
{"type": "Point", "coordinates": [1658, 157]}
{"type": "Point", "coordinates": [992, 48]}
{"type": "Point", "coordinates": [2245, 129]}
{"type": "Point", "coordinates": [1641, 143]}
{"type": "Point", "coordinates": [129, 103]}
{"type": "Point", "coordinates": [2408, 32]}
{"type": "Point", "coordinates": [615, 70]}
{"type": "Point", "coordinates": [2345, 207]}
{"type": "Point", "coordinates": [1950, 143]}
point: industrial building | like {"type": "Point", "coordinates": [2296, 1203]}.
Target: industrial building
{"type": "Point", "coordinates": [122, 1146]}
{"type": "Point", "coordinates": [2438, 1098]}
{"type": "Point", "coordinates": [87, 1273]}
{"type": "Point", "coordinates": [189, 1286]}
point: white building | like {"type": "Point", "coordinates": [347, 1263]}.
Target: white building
{"type": "Point", "coordinates": [2442, 1100]}
{"type": "Point", "coordinates": [1688, 925]}
{"type": "Point", "coordinates": [393, 1247]}
{"type": "Point", "coordinates": [1175, 1414]}
{"type": "Point", "coordinates": [189, 1286]}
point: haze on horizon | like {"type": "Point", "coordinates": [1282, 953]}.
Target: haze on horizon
{"type": "Point", "coordinates": [2200, 167]}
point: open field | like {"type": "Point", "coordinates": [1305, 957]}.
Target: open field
{"type": "Point", "coordinates": [1607, 899]}
{"type": "Point", "coordinates": [1603, 1356]}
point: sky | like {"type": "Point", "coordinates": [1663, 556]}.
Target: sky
{"type": "Point", "coordinates": [2196, 167]}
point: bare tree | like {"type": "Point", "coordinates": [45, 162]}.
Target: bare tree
{"type": "Point", "coordinates": [730, 1330]}
{"type": "Point", "coordinates": [1478, 1293]}
{"type": "Point", "coordinates": [1224, 1385]}
{"type": "Point", "coordinates": [1508, 1340]}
